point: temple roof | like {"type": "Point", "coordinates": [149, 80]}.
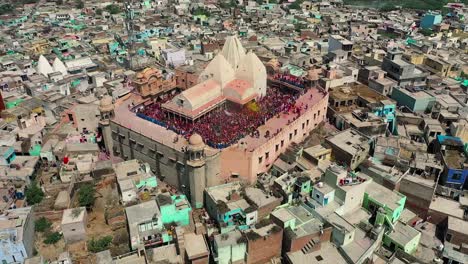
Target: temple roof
{"type": "Point", "coordinates": [43, 66]}
{"type": "Point", "coordinates": [233, 51]}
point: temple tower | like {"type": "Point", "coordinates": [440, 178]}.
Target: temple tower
{"type": "Point", "coordinates": [106, 109]}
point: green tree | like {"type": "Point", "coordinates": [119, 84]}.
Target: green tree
{"type": "Point", "coordinates": [99, 11]}
{"type": "Point", "coordinates": [79, 4]}
{"type": "Point", "coordinates": [86, 195]}
{"type": "Point", "coordinates": [42, 224]}
{"type": "Point", "coordinates": [99, 244]}
{"type": "Point", "coordinates": [52, 238]}
{"type": "Point", "coordinates": [426, 31]}
{"type": "Point", "coordinates": [113, 9]}
{"type": "Point", "coordinates": [34, 194]}
{"type": "Point", "coordinates": [6, 8]}
{"type": "Point", "coordinates": [201, 11]}
{"type": "Point", "coordinates": [296, 4]}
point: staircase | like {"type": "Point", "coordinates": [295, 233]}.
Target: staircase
{"type": "Point", "coordinates": [309, 246]}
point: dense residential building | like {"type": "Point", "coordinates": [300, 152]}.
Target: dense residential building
{"type": "Point", "coordinates": [233, 132]}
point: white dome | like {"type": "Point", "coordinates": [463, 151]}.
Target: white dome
{"type": "Point", "coordinates": [43, 66]}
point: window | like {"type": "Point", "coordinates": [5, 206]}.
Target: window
{"type": "Point", "coordinates": [307, 122]}
{"type": "Point", "coordinates": [456, 176]}
{"type": "Point", "coordinates": [295, 132]}
{"type": "Point", "coordinates": [276, 147]}
{"type": "Point", "coordinates": [319, 258]}
{"type": "Point", "coordinates": [260, 160]}
{"type": "Point", "coordinates": [290, 136]}
{"type": "Point", "coordinates": [303, 126]}
{"type": "Point", "coordinates": [282, 143]}
{"type": "Point", "coordinates": [267, 155]}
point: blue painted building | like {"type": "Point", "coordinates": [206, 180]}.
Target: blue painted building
{"type": "Point", "coordinates": [16, 236]}
{"type": "Point", "coordinates": [430, 19]}
{"type": "Point", "coordinates": [226, 204]}
{"type": "Point", "coordinates": [7, 155]}
{"type": "Point", "coordinates": [386, 109]}
{"type": "Point", "coordinates": [455, 172]}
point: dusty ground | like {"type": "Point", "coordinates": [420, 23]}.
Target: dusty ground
{"type": "Point", "coordinates": [49, 252]}
{"type": "Point", "coordinates": [106, 196]}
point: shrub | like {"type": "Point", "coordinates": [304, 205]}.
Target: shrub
{"type": "Point", "coordinates": [52, 238]}
{"type": "Point", "coordinates": [99, 244]}
{"type": "Point", "coordinates": [42, 224]}
{"type": "Point", "coordinates": [34, 194]}
{"type": "Point", "coordinates": [86, 195]}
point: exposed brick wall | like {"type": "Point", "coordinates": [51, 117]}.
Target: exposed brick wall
{"type": "Point", "coordinates": [263, 249]}
{"type": "Point", "coordinates": [266, 210]}
{"type": "Point", "coordinates": [457, 238]}
{"type": "Point", "coordinates": [296, 244]}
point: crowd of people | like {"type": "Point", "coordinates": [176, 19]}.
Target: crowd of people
{"type": "Point", "coordinates": [291, 79]}
{"type": "Point", "coordinates": [223, 127]}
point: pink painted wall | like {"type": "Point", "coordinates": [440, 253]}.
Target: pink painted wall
{"type": "Point", "coordinates": [246, 163]}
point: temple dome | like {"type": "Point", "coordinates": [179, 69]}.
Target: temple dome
{"type": "Point", "coordinates": [196, 140]}
{"type": "Point", "coordinates": [105, 104]}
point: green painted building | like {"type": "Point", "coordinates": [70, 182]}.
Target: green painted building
{"type": "Point", "coordinates": [174, 209]}
{"type": "Point", "coordinates": [403, 237]}
{"type": "Point", "coordinates": [376, 196]}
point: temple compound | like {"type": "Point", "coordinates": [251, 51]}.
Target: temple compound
{"type": "Point", "coordinates": [230, 125]}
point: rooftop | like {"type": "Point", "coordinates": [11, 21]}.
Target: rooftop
{"type": "Point", "coordinates": [195, 245]}
{"type": "Point", "coordinates": [384, 196]}
{"type": "Point", "coordinates": [243, 123]}
{"type": "Point", "coordinates": [74, 215]}
{"type": "Point", "coordinates": [403, 234]}
{"type": "Point", "coordinates": [349, 140]}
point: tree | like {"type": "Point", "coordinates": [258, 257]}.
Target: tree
{"type": "Point", "coordinates": [113, 9]}
{"type": "Point", "coordinates": [86, 195]}
{"type": "Point", "coordinates": [99, 11]}
{"type": "Point", "coordinates": [296, 4]}
{"type": "Point", "coordinates": [426, 31]}
{"type": "Point", "coordinates": [34, 194]}
{"type": "Point", "coordinates": [79, 4]}
{"type": "Point", "coordinates": [99, 244]}
{"type": "Point", "coordinates": [42, 224]}
{"type": "Point", "coordinates": [52, 238]}
{"type": "Point", "coordinates": [200, 12]}
{"type": "Point", "coordinates": [6, 8]}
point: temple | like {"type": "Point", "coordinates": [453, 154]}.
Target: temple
{"type": "Point", "coordinates": [239, 118]}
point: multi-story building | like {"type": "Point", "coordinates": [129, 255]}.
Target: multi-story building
{"type": "Point", "coordinates": [401, 71]}
{"type": "Point", "coordinates": [16, 235]}
{"type": "Point", "coordinates": [451, 150]}
{"type": "Point", "coordinates": [349, 147]}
